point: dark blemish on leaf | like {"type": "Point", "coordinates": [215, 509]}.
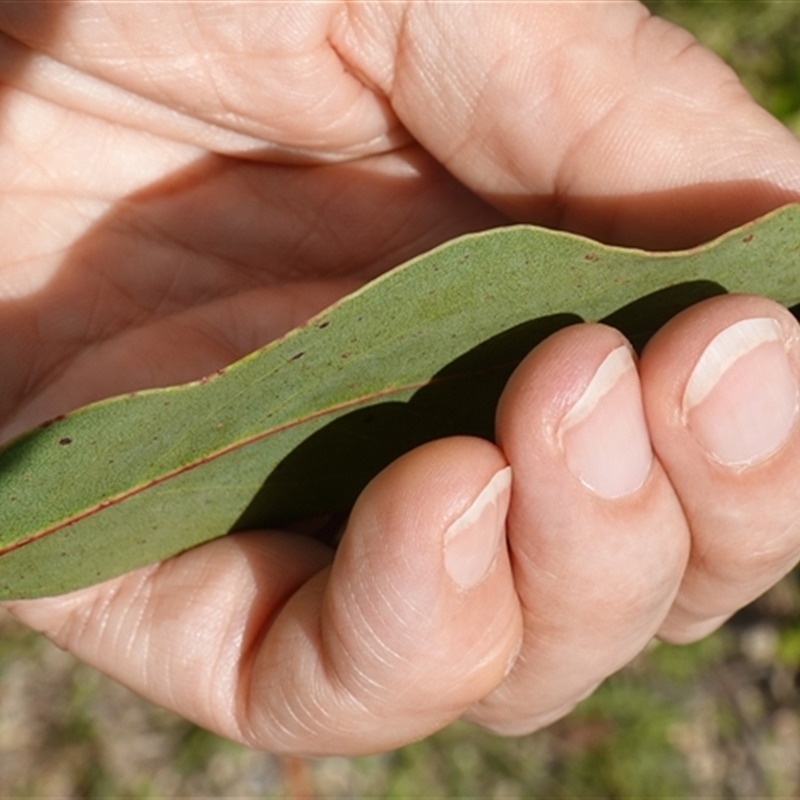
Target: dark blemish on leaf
{"type": "Point", "coordinates": [747, 239]}
{"type": "Point", "coordinates": [592, 257]}
{"type": "Point", "coordinates": [297, 355]}
{"type": "Point", "coordinates": [323, 325]}
{"type": "Point", "coordinates": [345, 355]}
{"type": "Point", "coordinates": [65, 441]}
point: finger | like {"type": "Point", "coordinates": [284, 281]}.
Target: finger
{"type": "Point", "coordinates": [261, 79]}
{"type": "Point", "coordinates": [590, 116]}
{"type": "Point", "coordinates": [252, 636]}
{"type": "Point", "coordinates": [418, 620]}
{"type": "Point", "coordinates": [721, 392]}
{"type": "Point", "coordinates": [597, 537]}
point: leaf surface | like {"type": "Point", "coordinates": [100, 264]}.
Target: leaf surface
{"type": "Point", "coordinates": [298, 428]}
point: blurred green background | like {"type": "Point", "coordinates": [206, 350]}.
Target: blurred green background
{"type": "Point", "coordinates": [715, 719]}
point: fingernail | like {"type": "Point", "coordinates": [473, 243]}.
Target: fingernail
{"type": "Point", "coordinates": [741, 400]}
{"type": "Point", "coordinates": [472, 541]}
{"type": "Point", "coordinates": [604, 435]}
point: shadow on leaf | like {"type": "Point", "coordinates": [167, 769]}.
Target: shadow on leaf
{"type": "Point", "coordinates": [333, 465]}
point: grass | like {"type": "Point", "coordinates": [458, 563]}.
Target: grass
{"type": "Point", "coordinates": [760, 39]}
{"type": "Point", "coordinates": [714, 719]}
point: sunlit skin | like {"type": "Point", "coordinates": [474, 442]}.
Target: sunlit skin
{"type": "Point", "coordinates": [183, 182]}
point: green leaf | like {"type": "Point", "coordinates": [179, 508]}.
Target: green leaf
{"type": "Point", "coordinates": [298, 428]}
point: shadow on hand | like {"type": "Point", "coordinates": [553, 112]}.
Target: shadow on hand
{"type": "Point", "coordinates": [211, 262]}
{"type": "Point", "coordinates": [675, 219]}
{"type": "Point", "coordinates": [34, 21]}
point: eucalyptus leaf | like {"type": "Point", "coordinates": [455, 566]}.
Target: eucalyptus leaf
{"type": "Point", "coordinates": [299, 427]}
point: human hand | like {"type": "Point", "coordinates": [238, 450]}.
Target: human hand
{"type": "Point", "coordinates": [187, 183]}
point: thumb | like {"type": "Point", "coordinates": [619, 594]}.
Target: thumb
{"type": "Point", "coordinates": [595, 117]}
{"type": "Point", "coordinates": [416, 620]}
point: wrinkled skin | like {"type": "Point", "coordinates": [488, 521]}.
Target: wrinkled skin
{"type": "Point", "coordinates": [183, 182]}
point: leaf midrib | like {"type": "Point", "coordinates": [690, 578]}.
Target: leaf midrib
{"type": "Point", "coordinates": [363, 400]}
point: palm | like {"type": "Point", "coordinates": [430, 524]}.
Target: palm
{"type": "Point", "coordinates": [132, 259]}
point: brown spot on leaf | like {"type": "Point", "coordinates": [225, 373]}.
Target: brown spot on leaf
{"type": "Point", "coordinates": [65, 441]}
{"type": "Point", "coordinates": [747, 239]}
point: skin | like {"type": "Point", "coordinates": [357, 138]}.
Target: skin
{"type": "Point", "coordinates": [186, 184]}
